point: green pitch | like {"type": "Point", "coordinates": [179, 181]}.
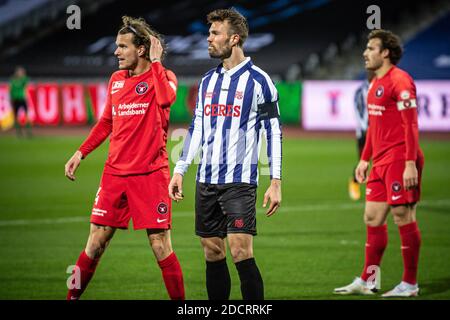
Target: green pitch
{"type": "Point", "coordinates": [313, 244]}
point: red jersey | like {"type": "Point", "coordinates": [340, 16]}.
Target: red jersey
{"type": "Point", "coordinates": [393, 132]}
{"type": "Point", "coordinates": [137, 117]}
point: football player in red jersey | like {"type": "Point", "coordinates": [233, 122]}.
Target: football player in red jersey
{"type": "Point", "coordinates": [136, 174]}
{"type": "Point", "coordinates": [397, 162]}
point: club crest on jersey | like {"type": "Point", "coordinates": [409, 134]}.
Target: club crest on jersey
{"type": "Point", "coordinates": [141, 87]}
{"type": "Point", "coordinates": [239, 95]}
{"type": "Point", "coordinates": [396, 186]}
{"type": "Point", "coordinates": [162, 208]}
{"type": "Point", "coordinates": [407, 103]}
{"type": "Point", "coordinates": [379, 92]}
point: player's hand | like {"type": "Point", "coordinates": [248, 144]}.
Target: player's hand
{"type": "Point", "coordinates": [156, 49]}
{"type": "Point", "coordinates": [410, 175]}
{"type": "Point", "coordinates": [361, 171]}
{"type": "Point", "coordinates": [274, 194]}
{"type": "Point", "coordinates": [176, 187]}
{"type": "Point", "coordinates": [72, 165]}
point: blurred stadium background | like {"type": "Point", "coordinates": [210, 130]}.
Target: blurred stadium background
{"type": "Point", "coordinates": [313, 51]}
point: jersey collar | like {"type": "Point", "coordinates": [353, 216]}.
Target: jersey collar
{"type": "Point", "coordinates": [237, 70]}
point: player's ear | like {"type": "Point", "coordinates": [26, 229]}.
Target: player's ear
{"type": "Point", "coordinates": [235, 39]}
{"type": "Point", "coordinates": [141, 51]}
{"type": "Point", "coordinates": [385, 53]}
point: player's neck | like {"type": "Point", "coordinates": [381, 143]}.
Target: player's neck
{"type": "Point", "coordinates": [237, 56]}
{"type": "Point", "coordinates": [381, 72]}
{"type": "Point", "coordinates": [141, 67]}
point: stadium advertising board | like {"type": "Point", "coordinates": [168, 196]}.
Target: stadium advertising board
{"type": "Point", "coordinates": [329, 105]}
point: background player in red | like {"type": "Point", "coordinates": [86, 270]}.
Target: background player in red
{"type": "Point", "coordinates": [136, 175]}
{"type": "Point", "coordinates": [397, 163]}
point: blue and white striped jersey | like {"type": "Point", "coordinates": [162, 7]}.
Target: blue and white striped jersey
{"type": "Point", "coordinates": [234, 107]}
{"type": "Point", "coordinates": [361, 112]}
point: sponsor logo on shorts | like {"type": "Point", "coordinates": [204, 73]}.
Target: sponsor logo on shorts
{"type": "Point", "coordinates": [395, 198]}
{"type": "Point", "coordinates": [379, 92]}
{"type": "Point", "coordinates": [368, 191]}
{"type": "Point", "coordinates": [99, 212]}
{"type": "Point", "coordinates": [160, 220]}
{"type": "Point", "coordinates": [239, 223]}
{"type": "Point", "coordinates": [162, 208]}
{"type": "Point", "coordinates": [396, 186]}
{"type": "Point", "coordinates": [141, 87]}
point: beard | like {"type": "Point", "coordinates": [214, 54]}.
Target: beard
{"type": "Point", "coordinates": [375, 65]}
{"type": "Point", "coordinates": [221, 54]}
{"type": "Point", "coordinates": [129, 64]}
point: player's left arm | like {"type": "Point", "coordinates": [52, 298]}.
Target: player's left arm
{"type": "Point", "coordinates": [165, 81]}
{"type": "Point", "coordinates": [405, 91]}
{"type": "Point", "coordinates": [269, 115]}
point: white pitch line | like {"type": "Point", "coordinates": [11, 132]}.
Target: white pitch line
{"type": "Point", "coordinates": [300, 208]}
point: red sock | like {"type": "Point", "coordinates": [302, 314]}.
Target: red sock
{"type": "Point", "coordinates": [376, 243]}
{"type": "Point", "coordinates": [173, 276]}
{"type": "Point", "coordinates": [86, 269]}
{"type": "Point", "coordinates": [410, 236]}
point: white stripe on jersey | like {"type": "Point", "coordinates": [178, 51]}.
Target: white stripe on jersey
{"type": "Point", "coordinates": [217, 144]}
{"type": "Point", "coordinates": [233, 135]}
{"type": "Point", "coordinates": [206, 127]}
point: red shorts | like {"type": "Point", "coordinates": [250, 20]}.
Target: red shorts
{"type": "Point", "coordinates": [385, 184]}
{"type": "Point", "coordinates": [144, 198]}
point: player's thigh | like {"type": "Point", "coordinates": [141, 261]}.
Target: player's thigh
{"type": "Point", "coordinates": [375, 213]}
{"type": "Point", "coordinates": [241, 246]}
{"type": "Point", "coordinates": [238, 203]}
{"type": "Point", "coordinates": [110, 206]}
{"type": "Point", "coordinates": [210, 220]}
{"type": "Point", "coordinates": [148, 198]}
{"type": "Point", "coordinates": [214, 248]}
{"type": "Point", "coordinates": [397, 194]}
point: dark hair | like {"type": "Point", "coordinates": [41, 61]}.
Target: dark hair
{"type": "Point", "coordinates": [141, 31]}
{"type": "Point", "coordinates": [238, 23]}
{"type": "Point", "coordinates": [389, 41]}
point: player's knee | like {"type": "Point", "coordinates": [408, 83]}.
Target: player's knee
{"type": "Point", "coordinates": [95, 248]}
{"type": "Point", "coordinates": [240, 253]}
{"type": "Point", "coordinates": [160, 244]}
{"type": "Point", "coordinates": [213, 251]}
{"type": "Point", "coordinates": [402, 215]}
{"type": "Point", "coordinates": [373, 220]}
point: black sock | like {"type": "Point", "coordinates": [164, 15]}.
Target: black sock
{"type": "Point", "coordinates": [252, 286]}
{"type": "Point", "coordinates": [218, 280]}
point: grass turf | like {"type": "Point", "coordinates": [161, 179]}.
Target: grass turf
{"type": "Point", "coordinates": [313, 244]}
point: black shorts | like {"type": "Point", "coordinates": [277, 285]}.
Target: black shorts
{"type": "Point", "coordinates": [17, 104]}
{"type": "Point", "coordinates": [225, 208]}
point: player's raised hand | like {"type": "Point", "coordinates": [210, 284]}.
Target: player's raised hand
{"type": "Point", "coordinates": [176, 187]}
{"type": "Point", "coordinates": [361, 171]}
{"type": "Point", "coordinates": [72, 165]}
{"type": "Point", "coordinates": [156, 49]}
{"type": "Point", "coordinates": [273, 194]}
{"type": "Point", "coordinates": [410, 175]}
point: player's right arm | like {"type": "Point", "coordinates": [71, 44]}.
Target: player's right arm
{"type": "Point", "coordinates": [363, 165]}
{"type": "Point", "coordinates": [98, 134]}
{"type": "Point", "coordinates": [192, 144]}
